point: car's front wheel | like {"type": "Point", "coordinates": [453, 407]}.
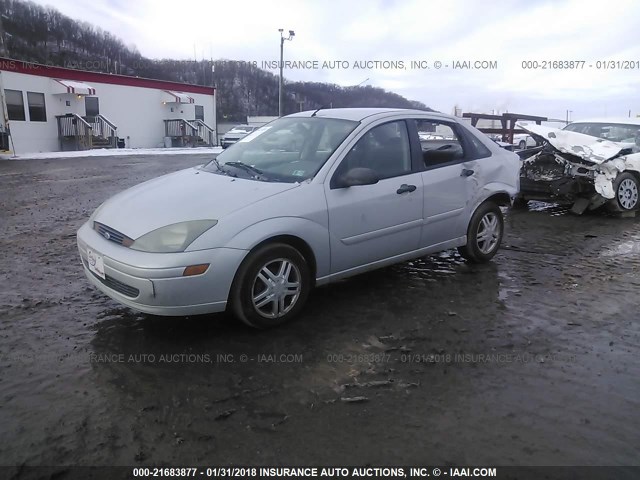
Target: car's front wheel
{"type": "Point", "coordinates": [627, 189]}
{"type": "Point", "coordinates": [484, 233]}
{"type": "Point", "coordinates": [271, 286]}
{"type": "Point", "coordinates": [522, 145]}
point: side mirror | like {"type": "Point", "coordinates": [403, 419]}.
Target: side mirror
{"type": "Point", "coordinates": [358, 176]}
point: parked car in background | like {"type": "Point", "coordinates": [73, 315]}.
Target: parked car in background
{"type": "Point", "coordinates": [623, 130]}
{"type": "Point", "coordinates": [523, 141]}
{"type": "Point", "coordinates": [497, 139]}
{"type": "Point", "coordinates": [256, 228]}
{"type": "Point", "coordinates": [588, 164]}
{"type": "Point", "coordinates": [235, 134]}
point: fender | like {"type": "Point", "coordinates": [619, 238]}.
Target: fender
{"type": "Point", "coordinates": [314, 234]}
{"type": "Point", "coordinates": [492, 189]}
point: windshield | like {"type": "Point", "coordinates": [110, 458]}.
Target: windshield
{"type": "Point", "coordinates": [615, 132]}
{"type": "Point", "coordinates": [289, 149]}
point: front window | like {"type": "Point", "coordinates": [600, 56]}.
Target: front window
{"type": "Point", "coordinates": [15, 104]}
{"type": "Point", "coordinates": [614, 132]}
{"type": "Point", "coordinates": [286, 150]}
{"type": "Point", "coordinates": [383, 149]}
{"type": "Point", "coordinates": [37, 108]}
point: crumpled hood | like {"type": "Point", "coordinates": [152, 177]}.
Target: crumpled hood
{"type": "Point", "coordinates": [186, 195]}
{"type": "Point", "coordinates": [591, 149]}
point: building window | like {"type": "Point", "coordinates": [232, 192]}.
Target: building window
{"type": "Point", "coordinates": [37, 109]}
{"type": "Point", "coordinates": [15, 104]}
{"type": "Point", "coordinates": [199, 112]}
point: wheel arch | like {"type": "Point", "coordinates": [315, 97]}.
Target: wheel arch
{"type": "Point", "coordinates": [635, 173]}
{"type": "Point", "coordinates": [296, 242]}
{"type": "Point", "coordinates": [309, 237]}
{"type": "Point", "coordinates": [502, 199]}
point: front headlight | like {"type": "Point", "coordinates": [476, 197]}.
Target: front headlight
{"type": "Point", "coordinates": [172, 238]}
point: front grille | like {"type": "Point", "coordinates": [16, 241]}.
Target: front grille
{"type": "Point", "coordinates": [117, 285]}
{"type": "Point", "coordinates": [112, 234]}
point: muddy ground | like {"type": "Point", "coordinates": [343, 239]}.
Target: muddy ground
{"type": "Point", "coordinates": [533, 359]}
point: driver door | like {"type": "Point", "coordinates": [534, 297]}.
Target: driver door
{"type": "Point", "coordinates": [369, 223]}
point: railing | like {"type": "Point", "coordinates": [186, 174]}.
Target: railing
{"type": "Point", "coordinates": [102, 127]}
{"type": "Point", "coordinates": [205, 132]}
{"type": "Point", "coordinates": [178, 127]}
{"type": "Point", "coordinates": [72, 127]}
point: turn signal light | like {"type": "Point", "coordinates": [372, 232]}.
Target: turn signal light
{"type": "Point", "coordinates": [195, 270]}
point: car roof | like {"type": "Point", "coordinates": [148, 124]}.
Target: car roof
{"type": "Point", "coordinates": [613, 120]}
{"type": "Point", "coordinates": [359, 114]}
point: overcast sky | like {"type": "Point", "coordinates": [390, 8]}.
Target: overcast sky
{"type": "Point", "coordinates": [507, 32]}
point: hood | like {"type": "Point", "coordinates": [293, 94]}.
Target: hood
{"type": "Point", "coordinates": [190, 194]}
{"type": "Point", "coordinates": [591, 149]}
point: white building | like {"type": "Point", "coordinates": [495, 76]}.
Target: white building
{"type": "Point", "coordinates": [47, 108]}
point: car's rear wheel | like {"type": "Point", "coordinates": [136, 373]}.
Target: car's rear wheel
{"type": "Point", "coordinates": [271, 286]}
{"type": "Point", "coordinates": [484, 233]}
{"type": "Point", "coordinates": [627, 189]}
{"type": "Point", "coordinates": [522, 145]}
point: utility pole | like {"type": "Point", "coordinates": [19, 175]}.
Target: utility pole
{"type": "Point", "coordinates": [569, 112]}
{"type": "Point", "coordinates": [215, 99]}
{"type": "Point", "coordinates": [282, 39]}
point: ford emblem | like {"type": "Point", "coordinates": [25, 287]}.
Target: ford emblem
{"type": "Point", "coordinates": [107, 235]}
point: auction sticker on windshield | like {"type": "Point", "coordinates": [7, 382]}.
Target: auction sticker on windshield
{"type": "Point", "coordinates": [96, 263]}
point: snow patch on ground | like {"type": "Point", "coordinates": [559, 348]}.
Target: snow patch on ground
{"type": "Point", "coordinates": [112, 152]}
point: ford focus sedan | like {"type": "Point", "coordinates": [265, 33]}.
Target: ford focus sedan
{"type": "Point", "coordinates": [306, 200]}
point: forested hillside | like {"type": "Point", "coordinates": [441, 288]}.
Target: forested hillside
{"type": "Point", "coordinates": [39, 34]}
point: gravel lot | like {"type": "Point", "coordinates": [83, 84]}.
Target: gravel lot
{"type": "Point", "coordinates": [533, 359]}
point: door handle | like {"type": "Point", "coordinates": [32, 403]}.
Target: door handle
{"type": "Point", "coordinates": [466, 172]}
{"type": "Point", "coordinates": [405, 188]}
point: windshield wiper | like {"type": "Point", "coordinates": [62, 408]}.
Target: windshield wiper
{"type": "Point", "coordinates": [220, 169]}
{"type": "Point", "coordinates": [257, 173]}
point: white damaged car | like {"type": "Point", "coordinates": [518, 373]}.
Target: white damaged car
{"type": "Point", "coordinates": [588, 164]}
{"type": "Point", "coordinates": [256, 228]}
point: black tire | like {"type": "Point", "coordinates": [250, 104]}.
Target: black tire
{"type": "Point", "coordinates": [626, 189]}
{"type": "Point", "coordinates": [248, 284]}
{"type": "Point", "coordinates": [522, 145]}
{"type": "Point", "coordinates": [478, 250]}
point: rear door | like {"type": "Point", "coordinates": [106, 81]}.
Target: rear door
{"type": "Point", "coordinates": [448, 169]}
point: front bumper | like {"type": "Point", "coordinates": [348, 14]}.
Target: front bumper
{"type": "Point", "coordinates": [544, 178]}
{"type": "Point", "coordinates": [153, 282]}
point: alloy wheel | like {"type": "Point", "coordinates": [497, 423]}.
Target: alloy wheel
{"type": "Point", "coordinates": [276, 288]}
{"type": "Point", "coordinates": [628, 194]}
{"type": "Point", "coordinates": [488, 233]}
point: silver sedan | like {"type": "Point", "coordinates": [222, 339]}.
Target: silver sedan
{"type": "Point", "coordinates": [306, 200]}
